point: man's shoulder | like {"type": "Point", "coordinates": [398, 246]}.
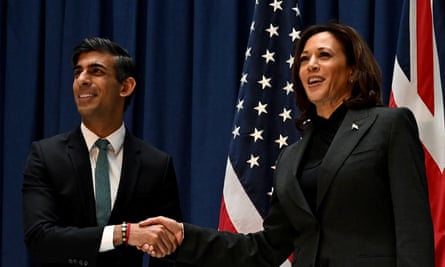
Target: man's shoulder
{"type": "Point", "coordinates": [58, 138]}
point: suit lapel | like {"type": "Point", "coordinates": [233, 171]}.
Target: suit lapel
{"type": "Point", "coordinates": [129, 175]}
{"type": "Point", "coordinates": [78, 153]}
{"type": "Point", "coordinates": [287, 181]}
{"type": "Point", "coordinates": [355, 124]}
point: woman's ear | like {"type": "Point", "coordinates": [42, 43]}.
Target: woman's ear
{"type": "Point", "coordinates": [352, 76]}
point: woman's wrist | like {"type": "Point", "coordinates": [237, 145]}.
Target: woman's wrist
{"type": "Point", "coordinates": [180, 237]}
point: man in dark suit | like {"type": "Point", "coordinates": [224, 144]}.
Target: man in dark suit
{"type": "Point", "coordinates": [70, 218]}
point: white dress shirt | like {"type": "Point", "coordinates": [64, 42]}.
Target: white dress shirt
{"type": "Point", "coordinates": [115, 155]}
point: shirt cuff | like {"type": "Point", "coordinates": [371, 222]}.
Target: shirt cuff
{"type": "Point", "coordinates": [106, 243]}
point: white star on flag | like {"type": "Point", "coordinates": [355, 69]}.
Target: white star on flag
{"type": "Point", "coordinates": [240, 104]}
{"type": "Point", "coordinates": [235, 132]}
{"type": "Point", "coordinates": [272, 30]}
{"type": "Point", "coordinates": [253, 161]}
{"type": "Point", "coordinates": [265, 82]}
{"type": "Point", "coordinates": [290, 61]}
{"type": "Point", "coordinates": [269, 56]}
{"type": "Point", "coordinates": [248, 53]}
{"type": "Point", "coordinates": [257, 134]}
{"type": "Point", "coordinates": [276, 5]}
{"type": "Point", "coordinates": [261, 108]}
{"type": "Point", "coordinates": [289, 88]}
{"type": "Point", "coordinates": [285, 114]}
{"type": "Point", "coordinates": [297, 10]}
{"type": "Point", "coordinates": [281, 141]}
{"type": "Point", "coordinates": [243, 79]}
{"type": "Point", "coordinates": [294, 34]}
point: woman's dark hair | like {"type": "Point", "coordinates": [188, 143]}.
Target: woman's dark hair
{"type": "Point", "coordinates": [366, 90]}
{"type": "Point", "coordinates": [124, 66]}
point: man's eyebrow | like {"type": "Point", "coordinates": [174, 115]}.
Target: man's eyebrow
{"type": "Point", "coordinates": [92, 65]}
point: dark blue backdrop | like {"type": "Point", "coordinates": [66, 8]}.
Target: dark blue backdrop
{"type": "Point", "coordinates": [190, 56]}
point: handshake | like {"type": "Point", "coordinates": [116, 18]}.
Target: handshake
{"type": "Point", "coordinates": [158, 236]}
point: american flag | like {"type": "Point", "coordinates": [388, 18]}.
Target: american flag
{"type": "Point", "coordinates": [265, 116]}
{"type": "Point", "coordinates": [419, 83]}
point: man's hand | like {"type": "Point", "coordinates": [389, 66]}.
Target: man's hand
{"type": "Point", "coordinates": [159, 240]}
{"type": "Point", "coordinates": [174, 228]}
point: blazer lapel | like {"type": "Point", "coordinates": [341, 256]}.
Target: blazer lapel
{"type": "Point", "coordinates": [129, 175]}
{"type": "Point", "coordinates": [355, 124]}
{"type": "Point", "coordinates": [287, 181]}
{"type": "Point", "coordinates": [78, 153]}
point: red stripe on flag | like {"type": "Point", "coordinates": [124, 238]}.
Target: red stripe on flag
{"type": "Point", "coordinates": [392, 102]}
{"type": "Point", "coordinates": [425, 67]}
{"type": "Point", "coordinates": [225, 224]}
{"type": "Point", "coordinates": [436, 187]}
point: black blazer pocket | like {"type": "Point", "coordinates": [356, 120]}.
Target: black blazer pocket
{"type": "Point", "coordinates": [360, 162]}
{"type": "Point", "coordinates": [369, 155]}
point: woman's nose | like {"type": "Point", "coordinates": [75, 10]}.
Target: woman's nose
{"type": "Point", "coordinates": [313, 64]}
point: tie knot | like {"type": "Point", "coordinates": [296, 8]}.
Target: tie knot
{"type": "Point", "coordinates": [102, 144]}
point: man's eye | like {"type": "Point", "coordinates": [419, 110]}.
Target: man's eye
{"type": "Point", "coordinates": [97, 71]}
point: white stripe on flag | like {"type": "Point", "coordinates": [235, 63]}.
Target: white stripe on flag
{"type": "Point", "coordinates": [245, 219]}
{"type": "Point", "coordinates": [242, 212]}
{"type": "Point", "coordinates": [431, 126]}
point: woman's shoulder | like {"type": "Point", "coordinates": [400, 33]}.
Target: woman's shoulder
{"type": "Point", "coordinates": [393, 112]}
{"type": "Point", "coordinates": [396, 116]}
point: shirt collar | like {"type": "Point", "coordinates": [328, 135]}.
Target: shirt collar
{"type": "Point", "coordinates": [116, 138]}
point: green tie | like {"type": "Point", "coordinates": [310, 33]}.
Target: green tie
{"type": "Point", "coordinates": [103, 198]}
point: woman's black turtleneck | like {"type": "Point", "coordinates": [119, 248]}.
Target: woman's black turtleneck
{"type": "Point", "coordinates": [324, 132]}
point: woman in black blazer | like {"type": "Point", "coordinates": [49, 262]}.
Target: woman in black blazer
{"type": "Point", "coordinates": [351, 192]}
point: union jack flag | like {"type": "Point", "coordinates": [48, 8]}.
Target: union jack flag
{"type": "Point", "coordinates": [264, 120]}
{"type": "Point", "coordinates": [419, 83]}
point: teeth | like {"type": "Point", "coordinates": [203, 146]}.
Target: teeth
{"type": "Point", "coordinates": [315, 79]}
{"type": "Point", "coordinates": [85, 95]}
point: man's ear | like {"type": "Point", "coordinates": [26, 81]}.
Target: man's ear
{"type": "Point", "coordinates": [128, 87]}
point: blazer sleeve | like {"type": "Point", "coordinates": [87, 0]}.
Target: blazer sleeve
{"type": "Point", "coordinates": [169, 206]}
{"type": "Point", "coordinates": [270, 247]}
{"type": "Point", "coordinates": [45, 237]}
{"type": "Point", "coordinates": [408, 182]}
{"type": "Point", "coordinates": [169, 199]}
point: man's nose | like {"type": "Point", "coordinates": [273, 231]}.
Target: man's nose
{"type": "Point", "coordinates": [83, 78]}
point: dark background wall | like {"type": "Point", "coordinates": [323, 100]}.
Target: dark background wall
{"type": "Point", "coordinates": [190, 55]}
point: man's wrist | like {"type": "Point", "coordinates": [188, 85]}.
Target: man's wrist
{"type": "Point", "coordinates": [117, 235]}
